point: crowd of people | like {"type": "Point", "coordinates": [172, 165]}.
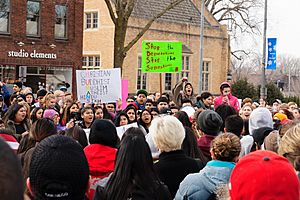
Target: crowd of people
{"type": "Point", "coordinates": [179, 146]}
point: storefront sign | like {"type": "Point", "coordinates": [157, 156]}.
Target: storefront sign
{"type": "Point", "coordinates": [98, 85]}
{"type": "Point", "coordinates": [161, 56]}
{"type": "Point", "coordinates": [36, 55]}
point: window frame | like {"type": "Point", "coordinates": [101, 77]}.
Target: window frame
{"type": "Point", "coordinates": [90, 15]}
{"type": "Point", "coordinates": [39, 19]}
{"type": "Point", "coordinates": [66, 23]}
{"type": "Point", "coordinates": [8, 18]}
{"type": "Point", "coordinates": [206, 75]}
{"type": "Point", "coordinates": [168, 76]}
{"type": "Point", "coordinates": [185, 68]}
{"type": "Point", "coordinates": [91, 59]}
{"type": "Point", "coordinates": [141, 78]}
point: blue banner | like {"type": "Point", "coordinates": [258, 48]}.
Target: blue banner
{"type": "Point", "coordinates": [271, 64]}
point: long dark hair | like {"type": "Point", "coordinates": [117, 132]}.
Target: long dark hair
{"type": "Point", "coordinates": [133, 167]}
{"type": "Point", "coordinates": [131, 107]}
{"type": "Point", "coordinates": [11, 112]}
{"type": "Point", "coordinates": [141, 122]}
{"type": "Point", "coordinates": [183, 118]}
{"type": "Point", "coordinates": [77, 133]}
{"type": "Point", "coordinates": [118, 118]}
{"type": "Point", "coordinates": [33, 113]}
{"type": "Point", "coordinates": [190, 146]}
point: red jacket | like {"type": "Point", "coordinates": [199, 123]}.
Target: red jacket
{"type": "Point", "coordinates": [101, 161]}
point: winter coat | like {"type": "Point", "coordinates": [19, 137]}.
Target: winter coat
{"type": "Point", "coordinates": [11, 125]}
{"type": "Point", "coordinates": [203, 185]}
{"type": "Point", "coordinates": [101, 161]}
{"type": "Point", "coordinates": [137, 193]}
{"type": "Point", "coordinates": [179, 93]}
{"type": "Point", "coordinates": [174, 166]}
{"type": "Point", "coordinates": [233, 101]}
{"type": "Point", "coordinates": [204, 143]}
{"type": "Point", "coordinates": [200, 104]}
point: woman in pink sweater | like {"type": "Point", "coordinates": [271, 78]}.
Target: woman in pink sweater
{"type": "Point", "coordinates": [226, 97]}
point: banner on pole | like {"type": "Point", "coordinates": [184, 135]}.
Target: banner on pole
{"type": "Point", "coordinates": [161, 56]}
{"type": "Point", "coordinates": [95, 86]}
{"type": "Point", "coordinates": [271, 64]}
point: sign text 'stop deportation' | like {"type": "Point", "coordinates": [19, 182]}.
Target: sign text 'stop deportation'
{"type": "Point", "coordinates": [161, 56]}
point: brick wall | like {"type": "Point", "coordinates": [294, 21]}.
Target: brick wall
{"type": "Point", "coordinates": [69, 52]}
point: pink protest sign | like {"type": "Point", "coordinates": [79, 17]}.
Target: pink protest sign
{"type": "Point", "coordinates": [124, 93]}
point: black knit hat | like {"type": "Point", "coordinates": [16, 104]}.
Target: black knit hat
{"type": "Point", "coordinates": [162, 99]}
{"type": "Point", "coordinates": [209, 122]}
{"type": "Point", "coordinates": [41, 93]}
{"type": "Point", "coordinates": [59, 169]}
{"type": "Point", "coordinates": [142, 92]}
{"type": "Point", "coordinates": [104, 132]}
{"type": "Point", "coordinates": [19, 84]}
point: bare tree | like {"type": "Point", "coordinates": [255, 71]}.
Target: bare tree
{"type": "Point", "coordinates": [245, 64]}
{"type": "Point", "coordinates": [120, 12]}
{"type": "Point", "coordinates": [237, 14]}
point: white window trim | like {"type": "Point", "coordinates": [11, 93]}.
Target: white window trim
{"type": "Point", "coordinates": [92, 55]}
{"type": "Point", "coordinates": [210, 82]}
{"type": "Point", "coordinates": [136, 75]}
{"type": "Point", "coordinates": [84, 18]}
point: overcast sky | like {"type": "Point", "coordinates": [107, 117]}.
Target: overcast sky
{"type": "Point", "coordinates": [283, 24]}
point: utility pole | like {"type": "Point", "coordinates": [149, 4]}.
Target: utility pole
{"type": "Point", "coordinates": [263, 91]}
{"type": "Point", "coordinates": [201, 47]}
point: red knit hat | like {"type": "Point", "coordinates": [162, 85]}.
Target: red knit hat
{"type": "Point", "coordinates": [264, 175]}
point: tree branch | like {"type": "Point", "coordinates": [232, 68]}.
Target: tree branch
{"type": "Point", "coordinates": [150, 22]}
{"type": "Point", "coordinates": [111, 11]}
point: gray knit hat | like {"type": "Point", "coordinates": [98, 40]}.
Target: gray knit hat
{"type": "Point", "coordinates": [209, 122]}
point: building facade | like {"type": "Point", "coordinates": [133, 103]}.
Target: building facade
{"type": "Point", "coordinates": [181, 23]}
{"type": "Point", "coordinates": [41, 42]}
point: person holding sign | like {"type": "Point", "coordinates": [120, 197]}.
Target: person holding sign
{"type": "Point", "coordinates": [183, 90]}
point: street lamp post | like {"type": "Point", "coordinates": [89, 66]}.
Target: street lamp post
{"type": "Point", "coordinates": [263, 92]}
{"type": "Point", "coordinates": [201, 47]}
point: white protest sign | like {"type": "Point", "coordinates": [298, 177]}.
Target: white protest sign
{"type": "Point", "coordinates": [98, 85]}
{"type": "Point", "coordinates": [121, 129]}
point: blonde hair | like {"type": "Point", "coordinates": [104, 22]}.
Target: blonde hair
{"type": "Point", "coordinates": [226, 147]}
{"type": "Point", "coordinates": [289, 146]}
{"type": "Point", "coordinates": [167, 132]}
{"type": "Point", "coordinates": [47, 98]}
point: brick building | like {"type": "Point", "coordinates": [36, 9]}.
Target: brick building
{"type": "Point", "coordinates": [40, 41]}
{"type": "Point", "coordinates": [182, 23]}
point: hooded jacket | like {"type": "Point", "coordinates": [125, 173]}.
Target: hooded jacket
{"type": "Point", "coordinates": [233, 101]}
{"type": "Point", "coordinates": [179, 93]}
{"type": "Point", "coordinates": [101, 161]}
{"type": "Point", "coordinates": [204, 184]}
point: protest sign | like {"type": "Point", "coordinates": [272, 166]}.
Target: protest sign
{"type": "Point", "coordinates": [124, 93]}
{"type": "Point", "coordinates": [94, 86]}
{"type": "Point", "coordinates": [121, 129]}
{"type": "Point", "coordinates": [161, 56]}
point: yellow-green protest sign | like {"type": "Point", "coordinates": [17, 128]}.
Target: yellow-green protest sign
{"type": "Point", "coordinates": [161, 56]}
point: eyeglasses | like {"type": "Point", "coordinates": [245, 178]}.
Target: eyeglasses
{"type": "Point", "coordinates": [145, 114]}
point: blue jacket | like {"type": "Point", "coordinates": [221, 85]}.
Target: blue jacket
{"type": "Point", "coordinates": [200, 186]}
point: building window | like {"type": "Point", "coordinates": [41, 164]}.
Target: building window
{"type": "Point", "coordinates": [33, 18]}
{"type": "Point", "coordinates": [91, 62]}
{"type": "Point", "coordinates": [4, 16]}
{"type": "Point", "coordinates": [141, 77]}
{"type": "Point", "coordinates": [185, 69]}
{"type": "Point", "coordinates": [168, 81]}
{"type": "Point", "coordinates": [91, 20]}
{"type": "Point", "coordinates": [60, 21]}
{"type": "Point", "coordinates": [205, 76]}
